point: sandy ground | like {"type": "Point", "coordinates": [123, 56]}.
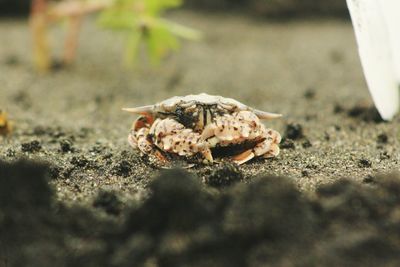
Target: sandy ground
{"type": "Point", "coordinates": [307, 70]}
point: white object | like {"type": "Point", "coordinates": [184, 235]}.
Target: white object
{"type": "Point", "coordinates": [377, 27]}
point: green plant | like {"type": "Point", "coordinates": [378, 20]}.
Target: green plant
{"type": "Point", "coordinates": [139, 20]}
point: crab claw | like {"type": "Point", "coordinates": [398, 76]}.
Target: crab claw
{"type": "Point", "coordinates": [140, 110]}
{"type": "Point", "coordinates": [263, 115]}
{"type": "Point", "coordinates": [243, 157]}
{"type": "Point", "coordinates": [142, 122]}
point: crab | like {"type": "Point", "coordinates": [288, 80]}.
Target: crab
{"type": "Point", "coordinates": [202, 126]}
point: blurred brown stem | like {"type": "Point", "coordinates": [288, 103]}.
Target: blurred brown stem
{"type": "Point", "coordinates": [38, 24]}
{"type": "Point", "coordinates": [74, 11]}
{"type": "Point", "coordinates": [71, 41]}
{"type": "Point", "coordinates": [71, 8]}
{"type": "Point", "coordinates": [43, 13]}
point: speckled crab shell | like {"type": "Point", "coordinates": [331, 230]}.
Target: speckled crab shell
{"type": "Point", "coordinates": [224, 103]}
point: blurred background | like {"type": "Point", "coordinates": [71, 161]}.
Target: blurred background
{"type": "Point", "coordinates": [274, 8]}
{"type": "Point", "coordinates": [277, 8]}
{"type": "Point", "coordinates": [10, 8]}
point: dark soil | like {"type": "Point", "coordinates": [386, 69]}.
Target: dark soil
{"type": "Point", "coordinates": [85, 198]}
{"type": "Point", "coordinates": [267, 222]}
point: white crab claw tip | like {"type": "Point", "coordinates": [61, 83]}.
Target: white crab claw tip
{"type": "Point", "coordinates": [263, 115]}
{"type": "Point", "coordinates": [140, 110]}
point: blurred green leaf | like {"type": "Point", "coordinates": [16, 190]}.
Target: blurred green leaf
{"type": "Point", "coordinates": [118, 19]}
{"type": "Point", "coordinates": [155, 7]}
{"type": "Point", "coordinates": [160, 41]}
{"type": "Point", "coordinates": [140, 19]}
{"type": "Point", "coordinates": [182, 31]}
{"type": "Point", "coordinates": [132, 48]}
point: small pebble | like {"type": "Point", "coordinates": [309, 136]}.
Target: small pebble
{"type": "Point", "coordinates": [365, 113]}
{"type": "Point", "coordinates": [33, 146]}
{"type": "Point", "coordinates": [364, 163]}
{"type": "Point", "coordinates": [369, 179]}
{"type": "Point", "coordinates": [80, 161]}
{"type": "Point", "coordinates": [312, 166]}
{"type": "Point", "coordinates": [55, 172]}
{"type": "Point", "coordinates": [66, 146]}
{"type": "Point", "coordinates": [384, 155]}
{"type": "Point", "coordinates": [123, 168]}
{"type": "Point", "coordinates": [307, 144]}
{"type": "Point", "coordinates": [338, 109]}
{"type": "Point", "coordinates": [225, 175]}
{"type": "Point", "coordinates": [382, 139]}
{"type": "Point", "coordinates": [305, 173]}
{"type": "Point", "coordinates": [287, 144]}
{"type": "Point", "coordinates": [294, 131]}
{"type": "Point", "coordinates": [327, 137]}
{"type": "Point", "coordinates": [10, 153]}
{"type": "Point", "coordinates": [309, 93]}
{"type": "Point", "coordinates": [109, 202]}
{"type": "Point", "coordinates": [12, 60]}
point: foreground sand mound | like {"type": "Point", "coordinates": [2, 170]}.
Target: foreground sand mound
{"type": "Point", "coordinates": [182, 222]}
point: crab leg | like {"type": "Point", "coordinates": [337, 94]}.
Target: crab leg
{"type": "Point", "coordinates": [171, 136]}
{"type": "Point", "coordinates": [138, 137]}
{"type": "Point", "coordinates": [243, 157]}
{"type": "Point", "coordinates": [241, 127]}
{"type": "Point", "coordinates": [234, 129]}
{"type": "Point", "coordinates": [268, 148]}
